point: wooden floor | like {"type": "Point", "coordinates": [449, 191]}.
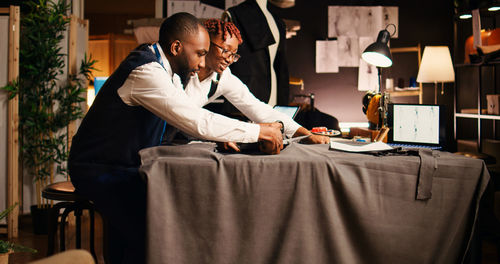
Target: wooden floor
{"type": "Point", "coordinates": [39, 242]}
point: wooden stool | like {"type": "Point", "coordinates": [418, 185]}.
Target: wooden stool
{"type": "Point", "coordinates": [70, 202]}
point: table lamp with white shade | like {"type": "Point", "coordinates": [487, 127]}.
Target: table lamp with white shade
{"type": "Point", "coordinates": [436, 67]}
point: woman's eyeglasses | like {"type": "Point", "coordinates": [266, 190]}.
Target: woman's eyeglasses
{"type": "Point", "coordinates": [227, 54]}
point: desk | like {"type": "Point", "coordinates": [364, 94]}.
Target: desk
{"type": "Point", "coordinates": [306, 205]}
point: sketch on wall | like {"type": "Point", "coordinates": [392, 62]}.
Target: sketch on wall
{"type": "Point", "coordinates": [360, 21]}
{"type": "Point", "coordinates": [390, 16]}
{"type": "Point", "coordinates": [193, 7]}
{"type": "Point", "coordinates": [349, 23]}
{"type": "Point", "coordinates": [326, 56]}
{"type": "Point", "coordinates": [353, 21]}
{"type": "Point", "coordinates": [348, 50]}
{"type": "Point", "coordinates": [367, 74]}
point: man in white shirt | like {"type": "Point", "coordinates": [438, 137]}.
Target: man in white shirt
{"type": "Point", "coordinates": [216, 79]}
{"type": "Point", "coordinates": [129, 114]}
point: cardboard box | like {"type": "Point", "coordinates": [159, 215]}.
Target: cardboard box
{"type": "Point", "coordinates": [493, 101]}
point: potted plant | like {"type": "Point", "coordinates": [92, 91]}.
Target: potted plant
{"type": "Point", "coordinates": [7, 247]}
{"type": "Point", "coordinates": [47, 101]}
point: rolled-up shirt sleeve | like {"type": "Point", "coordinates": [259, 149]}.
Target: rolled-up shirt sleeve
{"type": "Point", "coordinates": [238, 94]}
{"type": "Point", "coordinates": [151, 86]}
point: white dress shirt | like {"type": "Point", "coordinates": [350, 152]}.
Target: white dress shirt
{"type": "Point", "coordinates": [234, 90]}
{"type": "Point", "coordinates": [160, 91]}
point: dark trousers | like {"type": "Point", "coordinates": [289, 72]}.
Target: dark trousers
{"type": "Point", "coordinates": [119, 194]}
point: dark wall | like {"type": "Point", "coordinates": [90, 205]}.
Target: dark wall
{"type": "Point", "coordinates": [111, 16]}
{"type": "Point", "coordinates": [427, 22]}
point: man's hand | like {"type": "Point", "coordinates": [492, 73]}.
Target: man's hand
{"type": "Point", "coordinates": [270, 138]}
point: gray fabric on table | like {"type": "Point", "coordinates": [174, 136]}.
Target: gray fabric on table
{"type": "Point", "coordinates": [306, 205]}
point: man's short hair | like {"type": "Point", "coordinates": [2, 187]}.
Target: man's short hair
{"type": "Point", "coordinates": [177, 27]}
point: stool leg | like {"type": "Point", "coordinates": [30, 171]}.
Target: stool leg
{"type": "Point", "coordinates": [105, 239]}
{"type": "Point", "coordinates": [62, 237]}
{"type": "Point", "coordinates": [53, 214]}
{"type": "Point", "coordinates": [78, 222]}
{"type": "Point", "coordinates": [92, 222]}
{"type": "Point", "coordinates": [52, 228]}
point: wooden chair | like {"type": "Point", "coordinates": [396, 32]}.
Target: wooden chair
{"type": "Point", "coordinates": [70, 202]}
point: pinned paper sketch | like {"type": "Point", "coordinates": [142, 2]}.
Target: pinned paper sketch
{"type": "Point", "coordinates": [368, 75]}
{"type": "Point", "coordinates": [367, 78]}
{"type": "Point", "coordinates": [348, 51]}
{"type": "Point", "coordinates": [193, 7]}
{"type": "Point", "coordinates": [360, 21]}
{"type": "Point", "coordinates": [326, 56]}
{"type": "Point", "coordinates": [390, 16]}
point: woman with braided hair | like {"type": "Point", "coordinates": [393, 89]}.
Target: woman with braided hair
{"type": "Point", "coordinates": [215, 80]}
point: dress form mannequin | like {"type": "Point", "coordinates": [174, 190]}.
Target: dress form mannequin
{"type": "Point", "coordinates": [272, 49]}
{"type": "Point", "coordinates": [262, 66]}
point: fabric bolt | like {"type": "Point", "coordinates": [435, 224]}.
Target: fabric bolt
{"type": "Point", "coordinates": [308, 204]}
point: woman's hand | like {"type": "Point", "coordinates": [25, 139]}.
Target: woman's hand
{"type": "Point", "coordinates": [316, 139]}
{"type": "Point", "coordinates": [228, 146]}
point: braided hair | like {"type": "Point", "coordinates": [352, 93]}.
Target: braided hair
{"type": "Point", "coordinates": [217, 26]}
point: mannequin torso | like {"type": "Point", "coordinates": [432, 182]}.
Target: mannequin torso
{"type": "Point", "coordinates": [272, 49]}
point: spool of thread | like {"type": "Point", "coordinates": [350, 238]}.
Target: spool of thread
{"type": "Point", "coordinates": [389, 84]}
{"type": "Point", "coordinates": [413, 82]}
{"type": "Point", "coordinates": [401, 83]}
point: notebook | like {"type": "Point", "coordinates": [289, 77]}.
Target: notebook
{"type": "Point", "coordinates": [290, 111]}
{"type": "Point", "coordinates": [416, 126]}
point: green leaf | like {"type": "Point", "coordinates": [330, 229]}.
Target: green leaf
{"type": "Point", "coordinates": [5, 212]}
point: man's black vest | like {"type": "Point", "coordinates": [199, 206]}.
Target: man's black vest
{"type": "Point", "coordinates": [113, 132]}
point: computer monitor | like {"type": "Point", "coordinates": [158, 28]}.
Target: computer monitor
{"type": "Point", "coordinates": [416, 124]}
{"type": "Point", "coordinates": [290, 111]}
{"type": "Point", "coordinates": [98, 83]}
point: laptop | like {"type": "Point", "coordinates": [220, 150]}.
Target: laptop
{"type": "Point", "coordinates": [416, 126]}
{"type": "Point", "coordinates": [290, 111]}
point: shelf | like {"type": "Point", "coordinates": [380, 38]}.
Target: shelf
{"type": "Point", "coordinates": [417, 92]}
{"type": "Point", "coordinates": [407, 49]}
{"type": "Point", "coordinates": [404, 93]}
{"type": "Point", "coordinates": [491, 117]}
{"type": "Point", "coordinates": [490, 63]}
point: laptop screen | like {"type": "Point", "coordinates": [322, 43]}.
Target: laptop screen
{"type": "Point", "coordinates": [290, 111]}
{"type": "Point", "coordinates": [416, 124]}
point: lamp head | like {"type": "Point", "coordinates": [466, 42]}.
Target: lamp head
{"type": "Point", "coordinates": [378, 53]}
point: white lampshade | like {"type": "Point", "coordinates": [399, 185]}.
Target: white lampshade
{"type": "Point", "coordinates": [436, 65]}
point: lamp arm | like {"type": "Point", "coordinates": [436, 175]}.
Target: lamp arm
{"type": "Point", "coordinates": [379, 72]}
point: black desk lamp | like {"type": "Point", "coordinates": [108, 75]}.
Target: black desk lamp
{"type": "Point", "coordinates": [378, 54]}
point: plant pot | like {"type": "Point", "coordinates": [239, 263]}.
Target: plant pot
{"type": "Point", "coordinates": [40, 218]}
{"type": "Point", "coordinates": [4, 258]}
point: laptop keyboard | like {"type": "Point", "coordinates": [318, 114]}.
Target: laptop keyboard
{"type": "Point", "coordinates": [414, 146]}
